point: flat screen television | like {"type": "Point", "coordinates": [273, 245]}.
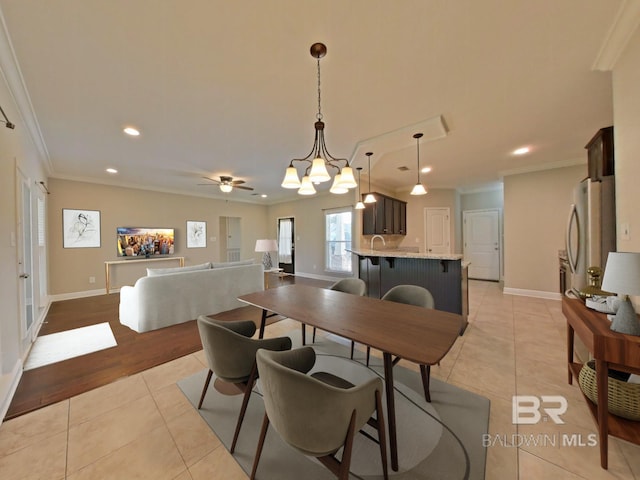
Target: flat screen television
{"type": "Point", "coordinates": [136, 242]}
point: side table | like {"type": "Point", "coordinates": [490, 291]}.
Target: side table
{"type": "Point", "coordinates": [610, 350]}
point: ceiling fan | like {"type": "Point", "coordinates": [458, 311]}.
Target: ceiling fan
{"type": "Point", "coordinates": [226, 183]}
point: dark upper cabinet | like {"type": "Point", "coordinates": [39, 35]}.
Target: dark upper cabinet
{"type": "Point", "coordinates": [386, 216]}
{"type": "Point", "coordinates": [600, 154]}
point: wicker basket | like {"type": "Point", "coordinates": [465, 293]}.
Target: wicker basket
{"type": "Point", "coordinates": [624, 397]}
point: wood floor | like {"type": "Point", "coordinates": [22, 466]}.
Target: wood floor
{"type": "Point", "coordinates": [134, 353]}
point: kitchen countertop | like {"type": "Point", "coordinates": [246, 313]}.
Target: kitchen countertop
{"type": "Point", "coordinates": [365, 252]}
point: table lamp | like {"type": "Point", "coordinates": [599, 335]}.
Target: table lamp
{"type": "Point", "coordinates": [622, 276]}
{"type": "Point", "coordinates": [266, 246]}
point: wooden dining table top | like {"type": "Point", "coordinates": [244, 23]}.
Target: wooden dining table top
{"type": "Point", "coordinates": [417, 334]}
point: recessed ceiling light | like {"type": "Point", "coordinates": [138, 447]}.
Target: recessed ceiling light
{"type": "Point", "coordinates": [426, 170]}
{"type": "Point", "coordinates": [264, 195]}
{"type": "Point", "coordinates": [521, 151]}
{"type": "Point", "coordinates": [112, 170]}
{"type": "Point", "coordinates": [134, 132]}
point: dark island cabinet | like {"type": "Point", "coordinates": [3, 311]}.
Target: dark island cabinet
{"type": "Point", "coordinates": [386, 216]}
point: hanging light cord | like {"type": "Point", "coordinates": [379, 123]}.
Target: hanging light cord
{"type": "Point", "coordinates": [418, 142]}
{"type": "Point", "coordinates": [319, 115]}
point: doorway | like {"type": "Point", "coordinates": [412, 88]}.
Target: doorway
{"type": "Point", "coordinates": [437, 225]}
{"type": "Point", "coordinates": [230, 239]}
{"type": "Point", "coordinates": [25, 256]}
{"type": "Point", "coordinates": [481, 235]}
{"type": "Point", "coordinates": [286, 245]}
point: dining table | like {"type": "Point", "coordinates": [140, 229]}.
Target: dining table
{"type": "Point", "coordinates": [400, 331]}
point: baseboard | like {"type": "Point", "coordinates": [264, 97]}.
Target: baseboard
{"type": "Point", "coordinates": [532, 293]}
{"type": "Point", "coordinates": [86, 293]}
{"type": "Point", "coordinates": [8, 386]}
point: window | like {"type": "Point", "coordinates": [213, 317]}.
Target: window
{"type": "Point", "coordinates": [338, 239]}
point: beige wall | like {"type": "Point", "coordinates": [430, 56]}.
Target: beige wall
{"type": "Point", "coordinates": [309, 227]}
{"type": "Point", "coordinates": [482, 200]}
{"type": "Point", "coordinates": [70, 268]}
{"type": "Point", "coordinates": [626, 108]}
{"type": "Point", "coordinates": [626, 114]}
{"type": "Point", "coordinates": [415, 216]}
{"type": "Point", "coordinates": [536, 206]}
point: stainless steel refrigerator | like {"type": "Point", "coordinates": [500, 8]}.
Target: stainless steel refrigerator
{"type": "Point", "coordinates": [591, 228]}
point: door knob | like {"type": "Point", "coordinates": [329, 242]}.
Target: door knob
{"type": "Point", "coordinates": [24, 275]}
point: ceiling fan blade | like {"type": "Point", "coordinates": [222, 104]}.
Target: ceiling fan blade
{"type": "Point", "coordinates": [237, 182]}
{"type": "Point", "coordinates": [242, 188]}
{"type": "Point", "coordinates": [210, 179]}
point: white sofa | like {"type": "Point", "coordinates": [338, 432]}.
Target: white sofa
{"type": "Point", "coordinates": [162, 300]}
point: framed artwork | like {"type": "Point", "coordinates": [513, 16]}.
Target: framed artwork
{"type": "Point", "coordinates": [80, 228]}
{"type": "Point", "coordinates": [196, 234]}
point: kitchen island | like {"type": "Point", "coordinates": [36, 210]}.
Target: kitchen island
{"type": "Point", "coordinates": [444, 275]}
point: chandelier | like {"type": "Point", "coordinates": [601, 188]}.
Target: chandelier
{"type": "Point", "coordinates": [319, 161]}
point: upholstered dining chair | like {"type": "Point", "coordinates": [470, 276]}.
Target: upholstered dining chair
{"type": "Point", "coordinates": [420, 297]}
{"type": "Point", "coordinates": [354, 286]}
{"type": "Point", "coordinates": [317, 414]}
{"type": "Point", "coordinates": [231, 355]}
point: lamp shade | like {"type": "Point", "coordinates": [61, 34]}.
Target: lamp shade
{"type": "Point", "coordinates": [418, 189]}
{"type": "Point", "coordinates": [347, 180]}
{"type": "Point", "coordinates": [337, 186]}
{"type": "Point", "coordinates": [266, 245]}
{"type": "Point", "coordinates": [319, 173]}
{"type": "Point", "coordinates": [291, 179]}
{"type": "Point", "coordinates": [622, 273]}
{"type": "Point", "coordinates": [306, 186]}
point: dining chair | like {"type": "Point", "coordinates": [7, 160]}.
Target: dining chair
{"type": "Point", "coordinates": [420, 297]}
{"type": "Point", "coordinates": [317, 414]}
{"type": "Point", "coordinates": [354, 286]}
{"type": "Point", "coordinates": [231, 355]}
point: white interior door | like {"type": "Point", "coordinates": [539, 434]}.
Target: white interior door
{"type": "Point", "coordinates": [437, 226]}
{"type": "Point", "coordinates": [25, 255]}
{"type": "Point", "coordinates": [482, 243]}
{"type": "Point", "coordinates": [230, 239]}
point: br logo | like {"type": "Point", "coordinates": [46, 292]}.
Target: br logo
{"type": "Point", "coordinates": [526, 408]}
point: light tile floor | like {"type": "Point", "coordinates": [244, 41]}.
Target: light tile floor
{"type": "Point", "coordinates": [143, 427]}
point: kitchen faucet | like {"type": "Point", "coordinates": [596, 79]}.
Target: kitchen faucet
{"type": "Point", "coordinates": [380, 237]}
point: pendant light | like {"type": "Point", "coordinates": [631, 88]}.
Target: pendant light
{"type": "Point", "coordinates": [359, 204]}
{"type": "Point", "coordinates": [418, 188]}
{"type": "Point", "coordinates": [319, 159]}
{"type": "Point", "coordinates": [370, 198]}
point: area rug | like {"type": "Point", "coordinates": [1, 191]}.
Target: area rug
{"type": "Point", "coordinates": [56, 347]}
{"type": "Point", "coordinates": [438, 440]}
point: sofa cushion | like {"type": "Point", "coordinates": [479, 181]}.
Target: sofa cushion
{"type": "Point", "coordinates": [231, 264]}
{"type": "Point", "coordinates": [152, 272]}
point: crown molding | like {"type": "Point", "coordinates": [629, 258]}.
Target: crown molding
{"type": "Point", "coordinates": [543, 166]}
{"type": "Point", "coordinates": [14, 80]}
{"type": "Point", "coordinates": [623, 27]}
